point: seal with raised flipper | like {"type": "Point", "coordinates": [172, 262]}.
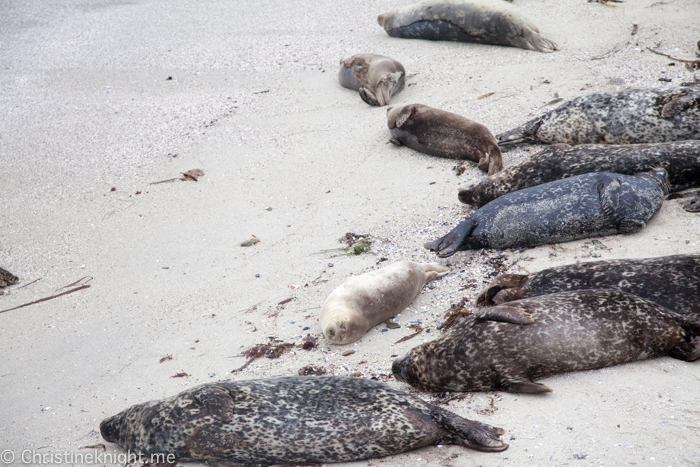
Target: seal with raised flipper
{"type": "Point", "coordinates": [481, 21]}
{"type": "Point", "coordinates": [680, 159]}
{"type": "Point", "coordinates": [364, 301]}
{"type": "Point", "coordinates": [590, 205]}
{"type": "Point", "coordinates": [292, 420]}
{"type": "Point", "coordinates": [376, 77]}
{"type": "Point", "coordinates": [632, 116]}
{"type": "Point", "coordinates": [679, 274]}
{"type": "Point", "coordinates": [444, 134]}
{"type": "Point", "coordinates": [508, 347]}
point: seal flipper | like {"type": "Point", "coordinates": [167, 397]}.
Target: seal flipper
{"type": "Point", "coordinates": [504, 288]}
{"type": "Point", "coordinates": [687, 351]}
{"type": "Point", "coordinates": [679, 104]}
{"type": "Point", "coordinates": [505, 314]}
{"type": "Point", "coordinates": [628, 226]}
{"type": "Point", "coordinates": [217, 401]}
{"type": "Point", "coordinates": [368, 96]}
{"type": "Point", "coordinates": [453, 241]}
{"type": "Point", "coordinates": [609, 195]}
{"type": "Point", "coordinates": [468, 433]}
{"type": "Point", "coordinates": [527, 387]}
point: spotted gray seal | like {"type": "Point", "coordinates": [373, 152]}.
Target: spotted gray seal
{"type": "Point", "coordinates": [292, 420]}
{"type": "Point", "coordinates": [376, 77]}
{"type": "Point", "coordinates": [482, 21]}
{"type": "Point", "coordinates": [583, 206]}
{"type": "Point", "coordinates": [680, 159]}
{"type": "Point", "coordinates": [631, 116]}
{"type": "Point", "coordinates": [679, 274]}
{"type": "Point", "coordinates": [444, 134]}
{"type": "Point", "coordinates": [364, 301]}
{"type": "Point", "coordinates": [507, 347]}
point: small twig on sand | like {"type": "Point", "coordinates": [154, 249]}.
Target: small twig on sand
{"type": "Point", "coordinates": [692, 64]}
{"type": "Point", "coordinates": [89, 278]}
{"type": "Point", "coordinates": [26, 285]}
{"type": "Point", "coordinates": [47, 298]}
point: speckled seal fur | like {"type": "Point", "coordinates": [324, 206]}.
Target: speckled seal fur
{"type": "Point", "coordinates": [509, 346]}
{"type": "Point", "coordinates": [482, 21]}
{"type": "Point", "coordinates": [292, 420]}
{"type": "Point", "coordinates": [671, 281]}
{"type": "Point", "coordinates": [376, 77]}
{"type": "Point", "coordinates": [364, 301]}
{"type": "Point", "coordinates": [680, 159]}
{"type": "Point", "coordinates": [589, 205]}
{"type": "Point", "coordinates": [632, 116]}
{"type": "Point", "coordinates": [444, 134]}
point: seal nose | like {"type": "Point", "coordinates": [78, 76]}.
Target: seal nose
{"type": "Point", "coordinates": [400, 368]}
{"type": "Point", "coordinates": [109, 429]}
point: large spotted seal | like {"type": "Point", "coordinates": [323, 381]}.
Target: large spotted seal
{"type": "Point", "coordinates": [680, 159]}
{"type": "Point", "coordinates": [376, 77]}
{"type": "Point", "coordinates": [507, 347]}
{"type": "Point", "coordinates": [368, 299]}
{"type": "Point", "coordinates": [444, 134]}
{"type": "Point", "coordinates": [631, 116]}
{"type": "Point", "coordinates": [679, 274]}
{"type": "Point", "coordinates": [292, 420]}
{"type": "Point", "coordinates": [589, 205]}
{"type": "Point", "coordinates": [481, 21]}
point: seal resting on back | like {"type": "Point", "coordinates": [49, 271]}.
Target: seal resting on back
{"type": "Point", "coordinates": [482, 21]}
{"type": "Point", "coordinates": [376, 77]}
{"type": "Point", "coordinates": [444, 134]}
{"type": "Point", "coordinates": [364, 301]}
{"type": "Point", "coordinates": [680, 159]}
{"type": "Point", "coordinates": [508, 347]}
{"type": "Point", "coordinates": [292, 420]}
{"type": "Point", "coordinates": [679, 274]}
{"type": "Point", "coordinates": [631, 116]}
{"type": "Point", "coordinates": [590, 205]}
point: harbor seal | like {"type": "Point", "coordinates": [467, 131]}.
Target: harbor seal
{"type": "Point", "coordinates": [679, 274]}
{"type": "Point", "coordinates": [368, 299]}
{"type": "Point", "coordinates": [631, 116]}
{"type": "Point", "coordinates": [292, 420]}
{"type": "Point", "coordinates": [590, 205]}
{"type": "Point", "coordinates": [507, 347]}
{"type": "Point", "coordinates": [376, 77]}
{"type": "Point", "coordinates": [482, 21]}
{"type": "Point", "coordinates": [444, 134]}
{"type": "Point", "coordinates": [680, 159]}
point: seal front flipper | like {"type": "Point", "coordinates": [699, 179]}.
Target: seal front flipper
{"type": "Point", "coordinates": [504, 288]}
{"type": "Point", "coordinates": [217, 401]}
{"type": "Point", "coordinates": [453, 241]}
{"type": "Point", "coordinates": [527, 387]}
{"type": "Point", "coordinates": [609, 195]}
{"type": "Point", "coordinates": [504, 314]}
{"type": "Point", "coordinates": [680, 104]}
{"type": "Point", "coordinates": [368, 96]}
{"type": "Point", "coordinates": [469, 433]}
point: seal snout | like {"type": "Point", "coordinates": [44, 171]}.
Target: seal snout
{"type": "Point", "coordinates": [400, 368]}
{"type": "Point", "coordinates": [109, 429]}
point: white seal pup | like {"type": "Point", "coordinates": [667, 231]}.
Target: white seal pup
{"type": "Point", "coordinates": [366, 300]}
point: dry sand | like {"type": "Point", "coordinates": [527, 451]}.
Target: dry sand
{"type": "Point", "coordinates": [255, 103]}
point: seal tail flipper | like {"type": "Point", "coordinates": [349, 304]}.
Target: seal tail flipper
{"type": "Point", "coordinates": [504, 288]}
{"type": "Point", "coordinates": [527, 387]}
{"type": "Point", "coordinates": [542, 44]}
{"type": "Point", "coordinates": [687, 351]}
{"type": "Point", "coordinates": [492, 162]}
{"type": "Point", "coordinates": [505, 314]}
{"type": "Point", "coordinates": [526, 132]}
{"type": "Point", "coordinates": [451, 243]}
{"type": "Point", "coordinates": [469, 433]}
{"type": "Point", "coordinates": [369, 97]}
{"type": "Point", "coordinates": [435, 270]}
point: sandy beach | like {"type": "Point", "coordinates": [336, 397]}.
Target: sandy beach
{"type": "Point", "coordinates": [99, 99]}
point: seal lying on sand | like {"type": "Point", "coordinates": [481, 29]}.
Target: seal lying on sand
{"type": "Point", "coordinates": [589, 205]}
{"type": "Point", "coordinates": [619, 117]}
{"type": "Point", "coordinates": [444, 134]}
{"type": "Point", "coordinates": [481, 21]}
{"type": "Point", "coordinates": [509, 346]}
{"type": "Point", "coordinates": [366, 300]}
{"type": "Point", "coordinates": [680, 159]}
{"type": "Point", "coordinates": [292, 420]}
{"type": "Point", "coordinates": [376, 77]}
{"type": "Point", "coordinates": [679, 274]}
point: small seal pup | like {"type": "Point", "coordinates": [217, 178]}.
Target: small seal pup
{"type": "Point", "coordinates": [368, 299]}
{"type": "Point", "coordinates": [507, 347]}
{"type": "Point", "coordinates": [680, 159]}
{"type": "Point", "coordinates": [631, 116]}
{"type": "Point", "coordinates": [590, 205]}
{"type": "Point", "coordinates": [679, 274]}
{"type": "Point", "coordinates": [482, 21]}
{"type": "Point", "coordinates": [444, 134]}
{"type": "Point", "coordinates": [292, 420]}
{"type": "Point", "coordinates": [376, 77]}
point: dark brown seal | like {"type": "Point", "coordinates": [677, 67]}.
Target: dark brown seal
{"type": "Point", "coordinates": [671, 281]}
{"type": "Point", "coordinates": [590, 205]}
{"type": "Point", "coordinates": [376, 77]}
{"type": "Point", "coordinates": [631, 116]}
{"type": "Point", "coordinates": [7, 278]}
{"type": "Point", "coordinates": [481, 21]}
{"type": "Point", "coordinates": [444, 134]}
{"type": "Point", "coordinates": [292, 420]}
{"type": "Point", "coordinates": [508, 347]}
{"type": "Point", "coordinates": [680, 159]}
